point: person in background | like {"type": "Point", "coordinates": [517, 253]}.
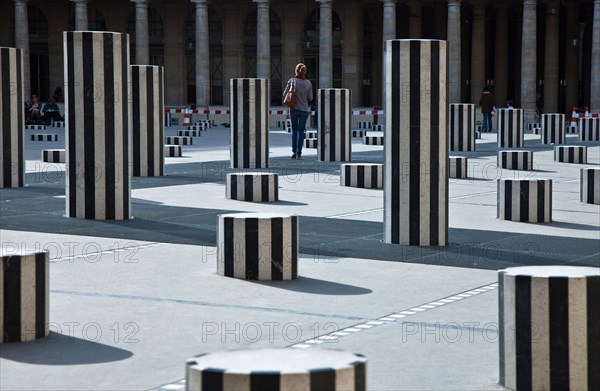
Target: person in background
{"type": "Point", "coordinates": [51, 112]}
{"type": "Point", "coordinates": [299, 113]}
{"type": "Point", "coordinates": [33, 110]}
{"type": "Point", "coordinates": [487, 103]}
{"type": "Point", "coordinates": [510, 104]}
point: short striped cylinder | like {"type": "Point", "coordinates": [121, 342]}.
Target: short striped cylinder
{"type": "Point", "coordinates": [378, 128]}
{"type": "Point", "coordinates": [197, 128]}
{"type": "Point", "coordinates": [359, 133]}
{"type": "Point", "coordinates": [35, 127]}
{"type": "Point", "coordinates": [364, 125]}
{"type": "Point", "coordinates": [98, 134]}
{"type": "Point", "coordinates": [167, 119]}
{"type": "Point", "coordinates": [570, 154]}
{"type": "Point", "coordinates": [334, 123]}
{"type": "Point", "coordinates": [553, 129]}
{"type": "Point", "coordinates": [58, 124]}
{"type": "Point", "coordinates": [12, 118]}
{"type": "Point", "coordinates": [477, 135]}
{"type": "Point", "coordinates": [258, 246]}
{"type": "Point", "coordinates": [510, 128]}
{"type": "Point", "coordinates": [457, 167]}
{"type": "Point", "coordinates": [189, 133]}
{"type": "Point", "coordinates": [515, 160]}
{"type": "Point", "coordinates": [536, 130]}
{"type": "Point", "coordinates": [373, 140]}
{"type": "Point", "coordinates": [53, 155]}
{"type": "Point", "coordinates": [179, 140]}
{"type": "Point", "coordinates": [172, 150]}
{"type": "Point", "coordinates": [24, 295]}
{"type": "Point", "coordinates": [589, 129]}
{"type": "Point", "coordinates": [148, 106]}
{"type": "Point", "coordinates": [311, 143]}
{"type": "Point", "coordinates": [525, 200]}
{"type": "Point", "coordinates": [416, 143]}
{"type": "Point", "coordinates": [549, 337]}
{"type": "Point", "coordinates": [462, 127]}
{"type": "Point", "coordinates": [252, 186]}
{"type": "Point", "coordinates": [589, 185]}
{"type": "Point", "coordinates": [531, 126]}
{"type": "Point", "coordinates": [44, 137]}
{"type": "Point", "coordinates": [277, 370]}
{"type": "Point", "coordinates": [481, 129]}
{"type": "Point", "coordinates": [571, 129]}
{"type": "Point", "coordinates": [249, 123]}
{"type": "Point", "coordinates": [311, 134]}
{"type": "Point", "coordinates": [363, 175]}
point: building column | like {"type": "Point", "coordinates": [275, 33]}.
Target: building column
{"type": "Point", "coordinates": [325, 44]}
{"type": "Point", "coordinates": [551, 57]}
{"type": "Point", "coordinates": [202, 54]}
{"type": "Point", "coordinates": [454, 82]}
{"type": "Point", "coordinates": [572, 58]}
{"type": "Point", "coordinates": [389, 32]}
{"type": "Point", "coordinates": [142, 39]}
{"type": "Point", "coordinates": [415, 19]}
{"type": "Point", "coordinates": [595, 81]}
{"type": "Point", "coordinates": [263, 40]}
{"type": "Point", "coordinates": [501, 60]}
{"type": "Point", "coordinates": [81, 17]}
{"type": "Point", "coordinates": [528, 61]}
{"type": "Point", "coordinates": [22, 42]}
{"type": "Point", "coordinates": [478, 52]}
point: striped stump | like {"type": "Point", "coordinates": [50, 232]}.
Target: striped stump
{"type": "Point", "coordinates": [252, 186]}
{"type": "Point", "coordinates": [277, 370]}
{"type": "Point", "coordinates": [416, 137]}
{"type": "Point", "coordinates": [365, 125]}
{"type": "Point", "coordinates": [515, 160]}
{"type": "Point", "coordinates": [589, 129]}
{"type": "Point", "coordinates": [12, 118]}
{"type": "Point", "coordinates": [363, 175]}
{"type": "Point", "coordinates": [258, 246]}
{"type": "Point", "coordinates": [531, 126]}
{"type": "Point", "coordinates": [53, 155]}
{"type": "Point", "coordinates": [458, 167]}
{"type": "Point", "coordinates": [589, 185]}
{"type": "Point", "coordinates": [44, 137]}
{"type": "Point", "coordinates": [197, 128]}
{"type": "Point", "coordinates": [167, 119]}
{"type": "Point", "coordinates": [537, 131]}
{"type": "Point", "coordinates": [98, 133]}
{"type": "Point", "coordinates": [510, 128]}
{"type": "Point", "coordinates": [24, 295]}
{"type": "Point", "coordinates": [549, 338]}
{"type": "Point", "coordinates": [359, 133]}
{"type": "Point", "coordinates": [35, 127]}
{"type": "Point", "coordinates": [58, 124]}
{"type": "Point", "coordinates": [553, 129]}
{"type": "Point", "coordinates": [373, 140]}
{"type": "Point", "coordinates": [570, 154]}
{"type": "Point", "coordinates": [189, 133]}
{"type": "Point", "coordinates": [378, 128]}
{"type": "Point", "coordinates": [250, 123]}
{"type": "Point", "coordinates": [525, 200]}
{"type": "Point", "coordinates": [571, 129]}
{"type": "Point", "coordinates": [172, 150]}
{"type": "Point", "coordinates": [288, 129]}
{"type": "Point", "coordinates": [311, 143]}
{"type": "Point", "coordinates": [477, 135]}
{"type": "Point", "coordinates": [334, 123]}
{"type": "Point", "coordinates": [462, 127]}
{"type": "Point", "coordinates": [148, 127]}
{"type": "Point", "coordinates": [311, 134]}
{"type": "Point", "coordinates": [179, 140]}
{"type": "Point", "coordinates": [481, 129]}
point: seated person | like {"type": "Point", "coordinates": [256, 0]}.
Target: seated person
{"type": "Point", "coordinates": [32, 114]}
{"type": "Point", "coordinates": [51, 112]}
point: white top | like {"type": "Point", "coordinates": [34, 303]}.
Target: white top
{"type": "Point", "coordinates": [256, 215]}
{"type": "Point", "coordinates": [20, 252]}
{"type": "Point", "coordinates": [552, 271]}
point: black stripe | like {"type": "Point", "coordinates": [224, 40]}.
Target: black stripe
{"type": "Point", "coordinates": [508, 198]}
{"type": "Point", "coordinates": [360, 176]}
{"type": "Point", "coordinates": [161, 126]}
{"type": "Point", "coordinates": [435, 182]}
{"type": "Point", "coordinates": [233, 188]}
{"type": "Point", "coordinates": [235, 124]}
{"type": "Point", "coordinates": [503, 159]}
{"type": "Point", "coordinates": [344, 109]}
{"type": "Point", "coordinates": [322, 379]}
{"type": "Point", "coordinates": [258, 121]}
{"type": "Point", "coordinates": [251, 248]}
{"type": "Point", "coordinates": [110, 128]}
{"type": "Point", "coordinates": [524, 200]}
{"type": "Point", "coordinates": [12, 298]}
{"type": "Point", "coordinates": [247, 126]}
{"type": "Point", "coordinates": [40, 294]}
{"type": "Point", "coordinates": [523, 331]}
{"type": "Point", "coordinates": [126, 159]}
{"type": "Point", "coordinates": [248, 187]}
{"type": "Point", "coordinates": [151, 159]}
{"type": "Point", "coordinates": [515, 160]}
{"type": "Point", "coordinates": [20, 121]}
{"type": "Point", "coordinates": [591, 184]}
{"type": "Point", "coordinates": [360, 376]}
{"type": "Point", "coordinates": [415, 143]}
{"type": "Point", "coordinates": [228, 246]}
{"type": "Point", "coordinates": [330, 155]}
{"type": "Point", "coordinates": [460, 129]}
{"type": "Point", "coordinates": [501, 327]}
{"type": "Point", "coordinates": [294, 248]}
{"type": "Point", "coordinates": [541, 204]}
{"type": "Point", "coordinates": [212, 379]}
{"type": "Point", "coordinates": [7, 112]}
{"type": "Point", "coordinates": [593, 337]}
{"type": "Point", "coordinates": [348, 175]}
{"type": "Point", "coordinates": [264, 187]}
{"type": "Point", "coordinates": [394, 143]}
{"type": "Point", "coordinates": [558, 303]}
{"type": "Point", "coordinates": [321, 136]}
{"type": "Point", "coordinates": [263, 381]}
{"type": "Point", "coordinates": [453, 127]}
{"type": "Point", "coordinates": [277, 248]}
{"type": "Point", "coordinates": [374, 177]}
{"type": "Point", "coordinates": [135, 87]}
{"type": "Point", "coordinates": [70, 130]}
{"type": "Point", "coordinates": [88, 131]}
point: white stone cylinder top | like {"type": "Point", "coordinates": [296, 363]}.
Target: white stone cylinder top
{"type": "Point", "coordinates": [553, 271]}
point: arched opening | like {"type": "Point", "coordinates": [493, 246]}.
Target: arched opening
{"type": "Point", "coordinates": [369, 62]}
{"type": "Point", "coordinates": [156, 33]}
{"type": "Point", "coordinates": [38, 53]}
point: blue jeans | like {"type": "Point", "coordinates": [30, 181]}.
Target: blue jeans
{"type": "Point", "coordinates": [487, 122]}
{"type": "Point", "coordinates": [298, 118]}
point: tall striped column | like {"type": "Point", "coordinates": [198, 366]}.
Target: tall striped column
{"type": "Point", "coordinates": [12, 121]}
{"type": "Point", "coordinates": [510, 128]}
{"type": "Point", "coordinates": [98, 136]}
{"type": "Point", "coordinates": [24, 295]}
{"type": "Point", "coordinates": [250, 123]}
{"type": "Point", "coordinates": [147, 86]}
{"type": "Point", "coordinates": [416, 143]}
{"type": "Point", "coordinates": [548, 328]}
{"type": "Point", "coordinates": [334, 123]}
{"type": "Point", "coordinates": [589, 129]}
{"type": "Point", "coordinates": [589, 185]}
{"type": "Point", "coordinates": [553, 129]}
{"type": "Point", "coordinates": [461, 125]}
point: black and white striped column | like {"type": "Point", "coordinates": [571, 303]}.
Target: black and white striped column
{"type": "Point", "coordinates": [570, 154]}
{"type": "Point", "coordinates": [167, 119]}
{"type": "Point", "coordinates": [458, 167]}
{"type": "Point", "coordinates": [461, 125]}
{"type": "Point", "coordinates": [147, 83]}
{"type": "Point", "coordinates": [189, 133]}
{"type": "Point", "coordinates": [536, 130]}
{"type": "Point", "coordinates": [532, 126]}
{"type": "Point", "coordinates": [98, 135]}
{"type": "Point", "coordinates": [44, 137]}
{"type": "Point", "coordinates": [172, 150]}
{"type": "Point", "coordinates": [311, 143]}
{"type": "Point", "coordinates": [589, 129]}
{"type": "Point", "coordinates": [549, 334]}
{"type": "Point", "coordinates": [370, 139]}
{"type": "Point", "coordinates": [510, 128]}
{"type": "Point", "coordinates": [416, 143]}
{"type": "Point", "coordinates": [589, 183]}
{"type": "Point", "coordinates": [179, 140]}
{"type": "Point", "coordinates": [525, 200]}
{"type": "Point", "coordinates": [252, 186]}
{"type": "Point", "coordinates": [516, 160]}
{"type": "Point", "coordinates": [53, 155]}
{"type": "Point", "coordinates": [24, 295]}
{"type": "Point", "coordinates": [334, 123]}
{"type": "Point", "coordinates": [363, 175]}
{"type": "Point", "coordinates": [277, 370]}
{"type": "Point", "coordinates": [359, 133]}
{"type": "Point", "coordinates": [12, 118]}
{"type": "Point", "coordinates": [364, 125]}
{"type": "Point", "coordinates": [378, 128]}
{"type": "Point", "coordinates": [250, 123]}
{"type": "Point", "coordinates": [35, 127]}
{"type": "Point", "coordinates": [553, 129]}
{"type": "Point", "coordinates": [258, 246]}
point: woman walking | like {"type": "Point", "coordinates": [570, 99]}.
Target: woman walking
{"type": "Point", "coordinates": [300, 110]}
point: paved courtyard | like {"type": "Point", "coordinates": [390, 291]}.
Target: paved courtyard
{"type": "Point", "coordinates": [130, 301]}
